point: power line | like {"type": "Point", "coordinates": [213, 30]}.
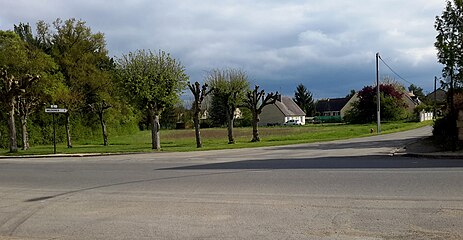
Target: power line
{"type": "Point", "coordinates": [392, 70]}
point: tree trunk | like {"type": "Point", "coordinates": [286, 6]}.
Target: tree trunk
{"type": "Point", "coordinates": [103, 127]}
{"type": "Point", "coordinates": [255, 131]}
{"type": "Point", "coordinates": [230, 119]}
{"type": "Point", "coordinates": [197, 131]}
{"type": "Point", "coordinates": [24, 108]}
{"type": "Point", "coordinates": [25, 133]}
{"type": "Point", "coordinates": [155, 137]}
{"type": "Point", "coordinates": [13, 144]}
{"type": "Point", "coordinates": [68, 129]}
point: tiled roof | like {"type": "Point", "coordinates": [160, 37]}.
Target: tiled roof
{"type": "Point", "coordinates": [441, 96]}
{"type": "Point", "coordinates": [288, 107]}
{"type": "Point", "coordinates": [331, 105]}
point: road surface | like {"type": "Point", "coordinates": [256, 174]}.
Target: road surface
{"type": "Point", "coordinates": [349, 189]}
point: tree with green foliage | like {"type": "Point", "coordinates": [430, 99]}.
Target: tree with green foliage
{"type": "Point", "coordinates": [230, 87]}
{"type": "Point", "coordinates": [16, 66]}
{"type": "Point", "coordinates": [417, 91]}
{"type": "Point", "coordinates": [304, 99]}
{"type": "Point", "coordinates": [351, 93]}
{"type": "Point", "coordinates": [217, 111]}
{"type": "Point", "coordinates": [83, 61]}
{"type": "Point", "coordinates": [10, 89]}
{"type": "Point", "coordinates": [152, 81]}
{"type": "Point", "coordinates": [12, 59]}
{"type": "Point", "coordinates": [40, 64]}
{"type": "Point", "coordinates": [364, 110]}
{"type": "Point", "coordinates": [449, 44]}
{"type": "Point", "coordinates": [256, 101]}
{"type": "Point", "coordinates": [199, 93]}
{"type": "Point", "coordinates": [100, 108]}
{"type": "Point", "coordinates": [102, 93]}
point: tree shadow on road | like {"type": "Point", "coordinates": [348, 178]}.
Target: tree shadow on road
{"type": "Point", "coordinates": [360, 162]}
{"type": "Point", "coordinates": [350, 145]}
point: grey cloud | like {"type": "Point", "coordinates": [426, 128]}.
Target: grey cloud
{"type": "Point", "coordinates": [328, 45]}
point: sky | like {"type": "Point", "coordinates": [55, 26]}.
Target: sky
{"type": "Point", "coordinates": [329, 46]}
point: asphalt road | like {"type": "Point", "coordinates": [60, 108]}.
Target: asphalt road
{"type": "Point", "coordinates": [350, 189]}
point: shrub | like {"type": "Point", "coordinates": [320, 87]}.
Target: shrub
{"type": "Point", "coordinates": [364, 110]}
{"type": "Point", "coordinates": [443, 132]}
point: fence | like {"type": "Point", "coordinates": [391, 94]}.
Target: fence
{"type": "Point", "coordinates": [425, 116]}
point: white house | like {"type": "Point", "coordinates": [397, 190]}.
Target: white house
{"type": "Point", "coordinates": [281, 112]}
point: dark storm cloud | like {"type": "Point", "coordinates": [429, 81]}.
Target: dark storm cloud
{"type": "Point", "coordinates": [329, 46]}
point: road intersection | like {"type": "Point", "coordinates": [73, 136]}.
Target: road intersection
{"type": "Point", "coordinates": [349, 189]}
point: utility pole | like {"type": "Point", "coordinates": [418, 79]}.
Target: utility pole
{"type": "Point", "coordinates": [453, 116]}
{"type": "Point", "coordinates": [378, 95]}
{"type": "Point", "coordinates": [435, 99]}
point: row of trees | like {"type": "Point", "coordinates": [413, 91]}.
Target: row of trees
{"type": "Point", "coordinates": [68, 65]}
{"type": "Point", "coordinates": [230, 90]}
{"type": "Point", "coordinates": [228, 86]}
{"type": "Point", "coordinates": [64, 64]}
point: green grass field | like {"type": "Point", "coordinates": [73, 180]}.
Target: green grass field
{"type": "Point", "coordinates": [216, 138]}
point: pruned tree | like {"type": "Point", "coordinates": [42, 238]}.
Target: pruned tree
{"type": "Point", "coordinates": [27, 102]}
{"type": "Point", "coordinates": [10, 90]}
{"type": "Point", "coordinates": [230, 88]}
{"type": "Point", "coordinates": [199, 92]}
{"type": "Point", "coordinates": [152, 81]}
{"type": "Point", "coordinates": [256, 101]}
{"type": "Point", "coordinates": [12, 59]}
{"type": "Point", "coordinates": [15, 77]}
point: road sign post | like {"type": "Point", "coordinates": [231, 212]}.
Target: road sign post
{"type": "Point", "coordinates": [54, 134]}
{"type": "Point", "coordinates": [53, 110]}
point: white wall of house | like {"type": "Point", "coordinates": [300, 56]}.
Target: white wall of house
{"type": "Point", "coordinates": [298, 118]}
{"type": "Point", "coordinates": [271, 114]}
{"type": "Point", "coordinates": [237, 114]}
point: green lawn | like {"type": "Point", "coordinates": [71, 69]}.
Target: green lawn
{"type": "Point", "coordinates": [216, 138]}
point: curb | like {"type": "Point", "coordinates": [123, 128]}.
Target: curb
{"type": "Point", "coordinates": [78, 155]}
{"type": "Point", "coordinates": [433, 155]}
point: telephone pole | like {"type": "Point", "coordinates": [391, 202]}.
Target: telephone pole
{"type": "Point", "coordinates": [378, 95]}
{"type": "Point", "coordinates": [434, 112]}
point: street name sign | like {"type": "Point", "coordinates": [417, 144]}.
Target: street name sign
{"type": "Point", "coordinates": [56, 110]}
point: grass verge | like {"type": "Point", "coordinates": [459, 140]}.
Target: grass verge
{"type": "Point", "coordinates": [216, 138]}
